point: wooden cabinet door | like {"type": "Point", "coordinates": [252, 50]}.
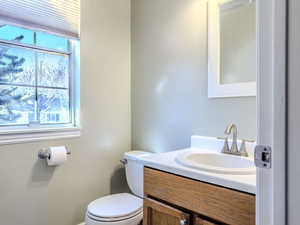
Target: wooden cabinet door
{"type": "Point", "coordinates": [218, 203]}
{"type": "Point", "coordinates": [199, 221]}
{"type": "Point", "coordinates": [157, 213]}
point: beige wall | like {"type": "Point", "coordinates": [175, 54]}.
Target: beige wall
{"type": "Point", "coordinates": [33, 194]}
{"type": "Point", "coordinates": [169, 78]}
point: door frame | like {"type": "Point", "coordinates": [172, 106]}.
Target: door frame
{"type": "Point", "coordinates": [271, 109]}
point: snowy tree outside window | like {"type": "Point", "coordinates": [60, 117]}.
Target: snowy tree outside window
{"type": "Point", "coordinates": [35, 85]}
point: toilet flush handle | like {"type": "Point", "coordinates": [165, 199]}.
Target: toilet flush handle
{"type": "Point", "coordinates": [123, 161]}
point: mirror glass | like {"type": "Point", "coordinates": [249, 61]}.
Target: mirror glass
{"type": "Point", "coordinates": [237, 41]}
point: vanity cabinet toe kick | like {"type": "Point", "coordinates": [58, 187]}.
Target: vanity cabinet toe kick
{"type": "Point", "coordinates": [175, 200]}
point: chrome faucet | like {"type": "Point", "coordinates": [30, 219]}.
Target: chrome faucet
{"type": "Point", "coordinates": [233, 150]}
{"type": "Point", "coordinates": [232, 129]}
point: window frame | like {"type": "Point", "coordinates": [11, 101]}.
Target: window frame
{"type": "Point", "coordinates": [35, 132]}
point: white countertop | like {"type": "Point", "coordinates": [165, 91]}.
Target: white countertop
{"type": "Point", "coordinates": [166, 162]}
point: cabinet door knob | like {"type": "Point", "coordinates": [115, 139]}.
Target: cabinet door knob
{"type": "Point", "coordinates": [183, 222]}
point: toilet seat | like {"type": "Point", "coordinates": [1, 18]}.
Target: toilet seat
{"type": "Point", "coordinates": [115, 219]}
{"type": "Point", "coordinates": [115, 207]}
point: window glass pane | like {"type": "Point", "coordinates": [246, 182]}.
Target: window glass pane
{"type": "Point", "coordinates": [51, 41]}
{"type": "Point", "coordinates": [12, 33]}
{"type": "Point", "coordinates": [17, 105]}
{"type": "Point", "coordinates": [53, 105]}
{"type": "Point", "coordinates": [25, 71]}
{"type": "Point", "coordinates": [17, 65]}
{"type": "Point", "coordinates": [53, 70]}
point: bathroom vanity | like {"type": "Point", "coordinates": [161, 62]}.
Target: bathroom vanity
{"type": "Point", "coordinates": [171, 200]}
{"type": "Point", "coordinates": [176, 194]}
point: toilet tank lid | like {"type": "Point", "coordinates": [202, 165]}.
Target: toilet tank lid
{"type": "Point", "coordinates": [134, 155]}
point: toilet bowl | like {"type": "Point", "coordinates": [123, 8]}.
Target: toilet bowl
{"type": "Point", "coordinates": [123, 208]}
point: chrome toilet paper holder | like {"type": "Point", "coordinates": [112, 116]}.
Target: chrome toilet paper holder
{"type": "Point", "coordinates": [45, 153]}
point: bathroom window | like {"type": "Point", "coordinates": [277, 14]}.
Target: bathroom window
{"type": "Point", "coordinates": [38, 75]}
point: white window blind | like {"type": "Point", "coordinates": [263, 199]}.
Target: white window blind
{"type": "Point", "coordinates": [60, 17]}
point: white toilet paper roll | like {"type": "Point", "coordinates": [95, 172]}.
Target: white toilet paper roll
{"type": "Point", "coordinates": [58, 155]}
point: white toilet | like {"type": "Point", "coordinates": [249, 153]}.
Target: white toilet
{"type": "Point", "coordinates": [123, 208]}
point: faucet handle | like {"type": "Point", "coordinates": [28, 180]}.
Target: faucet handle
{"type": "Point", "coordinates": [222, 138]}
{"type": "Point", "coordinates": [243, 149]}
{"type": "Point", "coordinates": [225, 148]}
{"type": "Point", "coordinates": [248, 140]}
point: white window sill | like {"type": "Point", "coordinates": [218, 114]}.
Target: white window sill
{"type": "Point", "coordinates": [37, 134]}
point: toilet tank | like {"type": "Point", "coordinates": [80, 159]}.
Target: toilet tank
{"type": "Point", "coordinates": [135, 171]}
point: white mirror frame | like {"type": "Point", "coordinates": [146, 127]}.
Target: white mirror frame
{"type": "Point", "coordinates": [215, 88]}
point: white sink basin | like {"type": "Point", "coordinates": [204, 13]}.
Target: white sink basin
{"type": "Point", "coordinates": [217, 163]}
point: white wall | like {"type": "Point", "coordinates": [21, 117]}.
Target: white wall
{"type": "Point", "coordinates": [33, 194]}
{"type": "Point", "coordinates": [169, 78]}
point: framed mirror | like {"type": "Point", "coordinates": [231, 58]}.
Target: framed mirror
{"type": "Point", "coordinates": [231, 48]}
